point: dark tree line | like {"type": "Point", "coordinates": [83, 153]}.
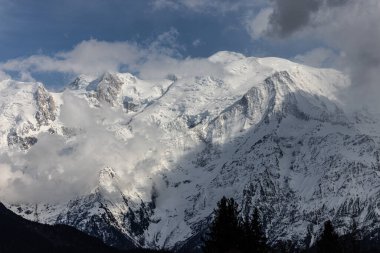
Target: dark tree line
{"type": "Point", "coordinates": [229, 233]}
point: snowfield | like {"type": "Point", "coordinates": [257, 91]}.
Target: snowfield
{"type": "Point", "coordinates": [144, 162]}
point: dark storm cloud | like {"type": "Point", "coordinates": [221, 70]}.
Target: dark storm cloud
{"type": "Point", "coordinates": [290, 16]}
{"type": "Point", "coordinates": [350, 28]}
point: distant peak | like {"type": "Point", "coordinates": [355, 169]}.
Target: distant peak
{"type": "Point", "coordinates": [108, 180]}
{"type": "Point", "coordinates": [107, 172]}
{"type": "Point", "coordinates": [80, 82]}
{"type": "Point", "coordinates": [40, 90]}
{"type": "Point", "coordinates": [226, 57]}
{"type": "Point", "coordinates": [108, 75]}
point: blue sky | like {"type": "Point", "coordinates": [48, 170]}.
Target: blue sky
{"type": "Point", "coordinates": [293, 29]}
{"type": "Point", "coordinates": [47, 26]}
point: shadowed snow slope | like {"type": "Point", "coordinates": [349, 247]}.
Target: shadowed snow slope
{"type": "Point", "coordinates": [144, 162]}
{"type": "Point", "coordinates": [20, 235]}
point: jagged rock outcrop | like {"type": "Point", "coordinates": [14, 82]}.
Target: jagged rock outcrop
{"type": "Point", "coordinates": [26, 109]}
{"type": "Point", "coordinates": [46, 109]}
{"type": "Point", "coordinates": [109, 88]}
{"type": "Point", "coordinates": [23, 143]}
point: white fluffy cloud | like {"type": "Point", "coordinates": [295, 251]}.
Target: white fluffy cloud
{"type": "Point", "coordinates": [57, 168]}
{"type": "Point", "coordinates": [88, 57]}
{"type": "Point", "coordinates": [259, 24]}
{"type": "Point", "coordinates": [7, 180]}
{"type": "Point", "coordinates": [156, 60]}
{"type": "Point", "coordinates": [161, 67]}
{"type": "Point", "coordinates": [318, 57]}
{"type": "Point", "coordinates": [93, 57]}
{"type": "Point", "coordinates": [3, 75]}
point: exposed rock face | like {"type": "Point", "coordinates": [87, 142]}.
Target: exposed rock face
{"type": "Point", "coordinates": [109, 89]}
{"type": "Point", "coordinates": [23, 143]}
{"type": "Point", "coordinates": [46, 106]}
{"type": "Point", "coordinates": [268, 132]}
{"type": "Point", "coordinates": [26, 109]}
{"type": "Point", "coordinates": [91, 214]}
{"type": "Point", "coordinates": [129, 106]}
{"type": "Point", "coordinates": [80, 83]}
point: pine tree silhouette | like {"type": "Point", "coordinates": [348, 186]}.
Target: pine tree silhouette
{"type": "Point", "coordinates": [352, 240]}
{"type": "Point", "coordinates": [228, 233]}
{"type": "Point", "coordinates": [224, 233]}
{"type": "Point", "coordinates": [259, 240]}
{"type": "Point", "coordinates": [254, 239]}
{"type": "Point", "coordinates": [329, 241]}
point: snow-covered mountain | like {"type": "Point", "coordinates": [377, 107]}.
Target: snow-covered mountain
{"type": "Point", "coordinates": [271, 133]}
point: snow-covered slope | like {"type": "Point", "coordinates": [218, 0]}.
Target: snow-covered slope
{"type": "Point", "coordinates": [268, 132]}
{"type": "Point", "coordinates": [25, 110]}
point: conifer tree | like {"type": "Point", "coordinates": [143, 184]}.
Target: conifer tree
{"type": "Point", "coordinates": [352, 240]}
{"type": "Point", "coordinates": [224, 233]}
{"type": "Point", "coordinates": [259, 240]}
{"type": "Point", "coordinates": [247, 234]}
{"type": "Point", "coordinates": [254, 239]}
{"type": "Point", "coordinates": [329, 241]}
{"type": "Point", "coordinates": [228, 233]}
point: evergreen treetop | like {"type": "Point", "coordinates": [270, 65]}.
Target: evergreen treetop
{"type": "Point", "coordinates": [229, 233]}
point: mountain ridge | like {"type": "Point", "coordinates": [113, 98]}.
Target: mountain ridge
{"type": "Point", "coordinates": [19, 235]}
{"type": "Point", "coordinates": [271, 133]}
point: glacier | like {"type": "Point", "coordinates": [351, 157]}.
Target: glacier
{"type": "Point", "coordinates": [269, 132]}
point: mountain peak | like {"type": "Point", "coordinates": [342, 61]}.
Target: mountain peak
{"type": "Point", "coordinates": [80, 82]}
{"type": "Point", "coordinates": [108, 180]}
{"type": "Point", "coordinates": [109, 77]}
{"type": "Point", "coordinates": [107, 172]}
{"type": "Point", "coordinates": [225, 57]}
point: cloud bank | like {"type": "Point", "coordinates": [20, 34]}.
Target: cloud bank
{"type": "Point", "coordinates": [93, 57]}
{"type": "Point", "coordinates": [58, 168]}
{"type": "Point", "coordinates": [289, 16]}
{"type": "Point", "coordinates": [348, 29]}
{"type": "Point", "coordinates": [155, 60]}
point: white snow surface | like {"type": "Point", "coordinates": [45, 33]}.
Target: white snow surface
{"type": "Point", "coordinates": [269, 132]}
